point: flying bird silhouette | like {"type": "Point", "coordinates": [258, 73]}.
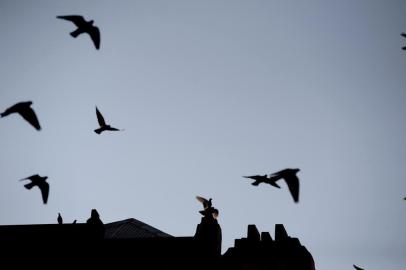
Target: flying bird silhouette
{"type": "Point", "coordinates": [358, 268]}
{"type": "Point", "coordinates": [102, 123]}
{"type": "Point", "coordinates": [206, 203]}
{"type": "Point", "coordinates": [403, 35]}
{"type": "Point", "coordinates": [60, 220]}
{"type": "Point", "coordinates": [39, 181]}
{"type": "Point", "coordinates": [291, 179]}
{"type": "Point", "coordinates": [262, 179]}
{"type": "Point", "coordinates": [83, 27]}
{"type": "Point", "coordinates": [24, 109]}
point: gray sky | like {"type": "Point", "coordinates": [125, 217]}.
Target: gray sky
{"type": "Point", "coordinates": [208, 91]}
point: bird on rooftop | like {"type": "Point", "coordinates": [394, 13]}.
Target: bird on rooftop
{"type": "Point", "coordinates": [291, 179]}
{"type": "Point", "coordinates": [60, 220]}
{"type": "Point", "coordinates": [102, 123]}
{"type": "Point", "coordinates": [39, 181]}
{"type": "Point", "coordinates": [24, 109]}
{"type": "Point", "coordinates": [206, 203]}
{"type": "Point", "coordinates": [83, 26]}
{"type": "Point", "coordinates": [208, 209]}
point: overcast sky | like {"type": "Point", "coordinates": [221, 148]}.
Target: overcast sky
{"type": "Point", "coordinates": [209, 91]}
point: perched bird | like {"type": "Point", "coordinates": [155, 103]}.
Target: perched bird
{"type": "Point", "coordinates": [206, 203]}
{"type": "Point", "coordinates": [83, 27]}
{"type": "Point", "coordinates": [25, 110]}
{"type": "Point", "coordinates": [39, 181]}
{"type": "Point", "coordinates": [356, 267]}
{"type": "Point", "coordinates": [102, 123]}
{"type": "Point", "coordinates": [210, 211]}
{"type": "Point", "coordinates": [403, 35]}
{"type": "Point", "coordinates": [60, 220]}
{"type": "Point", "coordinates": [291, 179]}
{"type": "Point", "coordinates": [262, 179]}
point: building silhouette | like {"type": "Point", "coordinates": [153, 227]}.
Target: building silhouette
{"type": "Point", "coordinates": [133, 244]}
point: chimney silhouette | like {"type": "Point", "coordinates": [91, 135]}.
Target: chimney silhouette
{"type": "Point", "coordinates": [208, 235]}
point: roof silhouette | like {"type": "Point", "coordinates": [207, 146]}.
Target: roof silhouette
{"type": "Point", "coordinates": [131, 228]}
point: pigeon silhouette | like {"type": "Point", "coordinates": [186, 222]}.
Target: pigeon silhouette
{"type": "Point", "coordinates": [83, 27]}
{"type": "Point", "coordinates": [60, 220]}
{"type": "Point", "coordinates": [358, 268]}
{"type": "Point", "coordinates": [210, 211]}
{"type": "Point", "coordinates": [24, 109]}
{"type": "Point", "coordinates": [39, 181]}
{"type": "Point", "coordinates": [206, 203]}
{"type": "Point", "coordinates": [102, 123]}
{"type": "Point", "coordinates": [289, 175]}
{"type": "Point", "coordinates": [403, 35]}
{"type": "Point", "coordinates": [262, 179]}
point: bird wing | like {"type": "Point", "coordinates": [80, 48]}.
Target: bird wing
{"type": "Point", "coordinates": [76, 19]}
{"type": "Point", "coordinates": [44, 187]}
{"type": "Point", "coordinates": [358, 268]}
{"type": "Point", "coordinates": [203, 201]}
{"type": "Point", "coordinates": [293, 184]}
{"type": "Point", "coordinates": [275, 177]}
{"type": "Point", "coordinates": [11, 109]}
{"type": "Point", "coordinates": [29, 115]}
{"type": "Point", "coordinates": [32, 177]}
{"type": "Point", "coordinates": [114, 129]}
{"type": "Point", "coordinates": [403, 35]}
{"type": "Point", "coordinates": [100, 118]}
{"type": "Point", "coordinates": [94, 33]}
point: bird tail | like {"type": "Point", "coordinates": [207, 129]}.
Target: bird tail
{"type": "Point", "coordinates": [29, 186]}
{"type": "Point", "coordinates": [274, 184]}
{"type": "Point", "coordinates": [98, 131]}
{"type": "Point", "coordinates": [3, 114]}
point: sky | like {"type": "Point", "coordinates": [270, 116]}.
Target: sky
{"type": "Point", "coordinates": [207, 92]}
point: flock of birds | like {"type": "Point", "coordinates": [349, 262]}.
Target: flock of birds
{"type": "Point", "coordinates": [24, 110]}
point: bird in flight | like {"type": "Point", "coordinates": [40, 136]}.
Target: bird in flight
{"type": "Point", "coordinates": [60, 220]}
{"type": "Point", "coordinates": [403, 35]}
{"type": "Point", "coordinates": [39, 181]}
{"type": "Point", "coordinates": [24, 109]}
{"type": "Point", "coordinates": [356, 267]}
{"type": "Point", "coordinates": [83, 27]}
{"type": "Point", "coordinates": [102, 123]}
{"type": "Point", "coordinates": [291, 179]}
{"type": "Point", "coordinates": [262, 179]}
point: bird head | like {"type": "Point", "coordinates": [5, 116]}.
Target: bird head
{"type": "Point", "coordinates": [91, 22]}
{"type": "Point", "coordinates": [296, 170]}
